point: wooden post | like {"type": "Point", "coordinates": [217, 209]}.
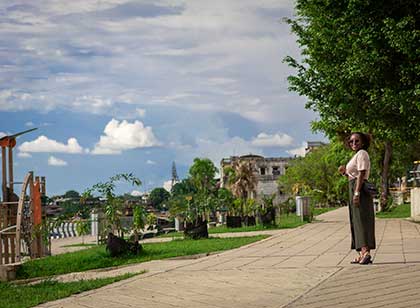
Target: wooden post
{"type": "Point", "coordinates": [10, 170]}
{"type": "Point", "coordinates": [43, 186]}
{"type": "Point", "coordinates": [33, 251]}
{"type": "Point", "coordinates": [1, 249]}
{"type": "Point", "coordinates": [4, 174]}
{"type": "Point", "coordinates": [28, 181]}
{"type": "Point", "coordinates": [12, 248]}
{"type": "Point", "coordinates": [6, 248]}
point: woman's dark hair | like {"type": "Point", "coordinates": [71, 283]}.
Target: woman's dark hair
{"type": "Point", "coordinates": [365, 138]}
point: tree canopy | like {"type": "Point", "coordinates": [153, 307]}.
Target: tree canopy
{"type": "Point", "coordinates": [185, 187]}
{"type": "Point", "coordinates": [316, 175]}
{"type": "Point", "coordinates": [202, 174]}
{"type": "Point", "coordinates": [360, 68]}
{"type": "Point", "coordinates": [158, 197]}
{"type": "Point", "coordinates": [71, 194]}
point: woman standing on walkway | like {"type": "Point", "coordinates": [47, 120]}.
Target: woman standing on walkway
{"type": "Point", "coordinates": [362, 215]}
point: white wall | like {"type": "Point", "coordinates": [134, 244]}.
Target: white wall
{"type": "Point", "coordinates": [415, 203]}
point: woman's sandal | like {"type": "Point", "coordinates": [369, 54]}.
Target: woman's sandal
{"type": "Point", "coordinates": [356, 260]}
{"type": "Point", "coordinates": [366, 259]}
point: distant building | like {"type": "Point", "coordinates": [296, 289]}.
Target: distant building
{"type": "Point", "coordinates": [313, 145]}
{"type": "Point", "coordinates": [267, 170]}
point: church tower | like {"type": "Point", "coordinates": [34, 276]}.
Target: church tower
{"type": "Point", "coordinates": [175, 178]}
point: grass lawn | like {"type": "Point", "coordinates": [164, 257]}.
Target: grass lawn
{"type": "Point", "coordinates": [22, 296]}
{"type": "Point", "coordinates": [79, 245]}
{"type": "Point", "coordinates": [286, 221]}
{"type": "Point", "coordinates": [172, 234]}
{"type": "Point", "coordinates": [399, 211]}
{"type": "Point", "coordinates": [97, 257]}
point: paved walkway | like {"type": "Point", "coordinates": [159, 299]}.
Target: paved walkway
{"type": "Point", "coordinates": [303, 267]}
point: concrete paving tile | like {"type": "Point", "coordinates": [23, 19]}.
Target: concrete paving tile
{"type": "Point", "coordinates": [254, 252]}
{"type": "Point", "coordinates": [412, 257]}
{"type": "Point", "coordinates": [275, 271]}
{"type": "Point", "coordinates": [170, 293]}
{"type": "Point", "coordinates": [317, 249]}
{"type": "Point", "coordinates": [388, 258]}
{"type": "Point", "coordinates": [369, 288]}
{"type": "Point", "coordinates": [296, 261]}
{"type": "Point", "coordinates": [235, 263]}
{"type": "Point", "coordinates": [386, 249]}
{"type": "Point", "coordinates": [380, 285]}
{"type": "Point", "coordinates": [391, 242]}
{"type": "Point", "coordinates": [265, 262]}
{"type": "Point", "coordinates": [204, 264]}
{"type": "Point", "coordinates": [99, 301]}
{"type": "Point", "coordinates": [327, 260]}
{"type": "Point", "coordinates": [59, 304]}
{"type": "Point", "coordinates": [412, 246]}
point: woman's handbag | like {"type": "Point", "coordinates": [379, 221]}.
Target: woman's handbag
{"type": "Point", "coordinates": [370, 188]}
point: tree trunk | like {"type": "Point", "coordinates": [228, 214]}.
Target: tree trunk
{"type": "Point", "coordinates": [385, 176]}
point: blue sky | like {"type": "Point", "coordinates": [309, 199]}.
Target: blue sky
{"type": "Point", "coordinates": [131, 86]}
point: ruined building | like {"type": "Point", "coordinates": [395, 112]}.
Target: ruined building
{"type": "Point", "coordinates": [266, 169]}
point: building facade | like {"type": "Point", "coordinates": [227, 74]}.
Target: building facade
{"type": "Point", "coordinates": [267, 170]}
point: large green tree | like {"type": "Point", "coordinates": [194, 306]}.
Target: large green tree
{"type": "Point", "coordinates": [183, 188]}
{"type": "Point", "coordinates": [202, 174]}
{"type": "Point", "coordinates": [360, 69]}
{"type": "Point", "coordinates": [71, 194]}
{"type": "Point", "coordinates": [158, 197]}
{"type": "Point", "coordinates": [195, 197]}
{"type": "Point", "coordinates": [316, 175]}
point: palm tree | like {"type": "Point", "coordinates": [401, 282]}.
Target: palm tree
{"type": "Point", "coordinates": [243, 180]}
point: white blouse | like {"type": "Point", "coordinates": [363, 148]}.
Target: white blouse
{"type": "Point", "coordinates": [360, 161]}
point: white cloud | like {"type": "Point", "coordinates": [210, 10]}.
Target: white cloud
{"type": "Point", "coordinates": [43, 144]}
{"type": "Point", "coordinates": [92, 103]}
{"type": "Point", "coordinates": [276, 140]}
{"type": "Point", "coordinates": [136, 193]}
{"type": "Point", "coordinates": [150, 162]}
{"type": "Point", "coordinates": [187, 59]}
{"type": "Point", "coordinates": [300, 151]}
{"type": "Point", "coordinates": [54, 161]}
{"type": "Point", "coordinates": [121, 136]}
{"type": "Point", "coordinates": [24, 155]}
{"type": "Point", "coordinates": [141, 112]}
{"type": "Point", "coordinates": [2, 134]}
{"type": "Point", "coordinates": [30, 124]}
{"type": "Point", "coordinates": [215, 150]}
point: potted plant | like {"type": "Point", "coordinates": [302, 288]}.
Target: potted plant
{"type": "Point", "coordinates": [267, 210]}
{"type": "Point", "coordinates": [249, 212]}
{"type": "Point", "coordinates": [113, 210]}
{"type": "Point", "coordinates": [234, 219]}
{"type": "Point", "coordinates": [196, 223]}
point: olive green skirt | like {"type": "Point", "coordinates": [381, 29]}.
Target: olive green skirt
{"type": "Point", "coordinates": [362, 220]}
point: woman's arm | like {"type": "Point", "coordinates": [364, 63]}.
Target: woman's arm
{"type": "Point", "coordinates": [342, 170]}
{"type": "Point", "coordinates": [358, 187]}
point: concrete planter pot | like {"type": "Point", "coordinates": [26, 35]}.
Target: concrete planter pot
{"type": "Point", "coordinates": [269, 217]}
{"type": "Point", "coordinates": [233, 221]}
{"type": "Point", "coordinates": [249, 221]}
{"type": "Point", "coordinates": [196, 230]}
